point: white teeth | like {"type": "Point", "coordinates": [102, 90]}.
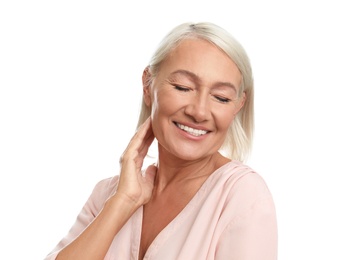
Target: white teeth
{"type": "Point", "coordinates": [192, 131]}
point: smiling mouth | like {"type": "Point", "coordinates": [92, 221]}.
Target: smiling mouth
{"type": "Point", "coordinates": [190, 130]}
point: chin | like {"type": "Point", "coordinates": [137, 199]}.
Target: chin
{"type": "Point", "coordinates": [190, 155]}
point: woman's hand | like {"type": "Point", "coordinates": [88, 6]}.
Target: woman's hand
{"type": "Point", "coordinates": [134, 190]}
{"type": "Point", "coordinates": [134, 186]}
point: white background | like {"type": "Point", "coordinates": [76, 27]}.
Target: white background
{"type": "Point", "coordinates": [70, 86]}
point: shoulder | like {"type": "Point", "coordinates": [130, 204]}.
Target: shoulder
{"type": "Point", "coordinates": [242, 186]}
{"type": "Point", "coordinates": [102, 190]}
{"type": "Point", "coordinates": [250, 180]}
{"type": "Point", "coordinates": [243, 176]}
{"type": "Point", "coordinates": [247, 220]}
{"type": "Point", "coordinates": [105, 187]}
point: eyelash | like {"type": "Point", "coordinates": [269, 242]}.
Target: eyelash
{"type": "Point", "coordinates": [219, 99]}
{"type": "Point", "coordinates": [180, 88]}
{"type": "Point", "coordinates": [223, 100]}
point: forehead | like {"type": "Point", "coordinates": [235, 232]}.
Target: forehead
{"type": "Point", "coordinates": [203, 59]}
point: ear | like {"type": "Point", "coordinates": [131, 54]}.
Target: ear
{"type": "Point", "coordinates": [240, 103]}
{"type": "Point", "coordinates": [146, 81]}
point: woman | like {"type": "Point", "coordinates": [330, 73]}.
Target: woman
{"type": "Point", "coordinates": [199, 201]}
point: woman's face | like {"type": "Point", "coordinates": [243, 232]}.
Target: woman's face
{"type": "Point", "coordinates": [194, 99]}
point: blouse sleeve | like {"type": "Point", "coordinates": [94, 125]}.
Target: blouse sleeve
{"type": "Point", "coordinates": [90, 210]}
{"type": "Point", "coordinates": [252, 233]}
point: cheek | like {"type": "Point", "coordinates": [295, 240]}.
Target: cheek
{"type": "Point", "coordinates": [164, 102]}
{"type": "Point", "coordinates": [224, 119]}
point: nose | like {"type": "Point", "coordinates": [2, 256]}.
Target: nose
{"type": "Point", "coordinates": [198, 107]}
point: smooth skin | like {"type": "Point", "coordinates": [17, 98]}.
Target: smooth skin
{"type": "Point", "coordinates": [196, 88]}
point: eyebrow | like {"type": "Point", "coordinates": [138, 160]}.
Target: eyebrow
{"type": "Point", "coordinates": [196, 78]}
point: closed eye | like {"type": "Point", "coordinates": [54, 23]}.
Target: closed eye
{"type": "Point", "coordinates": [181, 88]}
{"type": "Point", "coordinates": [222, 99]}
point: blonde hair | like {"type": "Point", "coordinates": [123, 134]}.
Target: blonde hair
{"type": "Point", "coordinates": [238, 142]}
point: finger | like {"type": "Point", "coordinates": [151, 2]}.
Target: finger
{"type": "Point", "coordinates": [148, 140]}
{"type": "Point", "coordinates": [140, 142]}
{"type": "Point", "coordinates": [141, 133]}
{"type": "Point", "coordinates": [150, 173]}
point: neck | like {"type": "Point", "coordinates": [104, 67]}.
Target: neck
{"type": "Point", "coordinates": [176, 171]}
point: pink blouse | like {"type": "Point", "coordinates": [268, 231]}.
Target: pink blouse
{"type": "Point", "coordinates": [231, 217]}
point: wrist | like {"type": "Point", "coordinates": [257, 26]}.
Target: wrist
{"type": "Point", "coordinates": [124, 203]}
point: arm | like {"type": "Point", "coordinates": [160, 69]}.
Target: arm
{"type": "Point", "coordinates": [95, 240]}
{"type": "Point", "coordinates": [248, 229]}
{"type": "Point", "coordinates": [133, 191]}
{"type": "Point", "coordinates": [251, 236]}
{"type": "Point", "coordinates": [90, 210]}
